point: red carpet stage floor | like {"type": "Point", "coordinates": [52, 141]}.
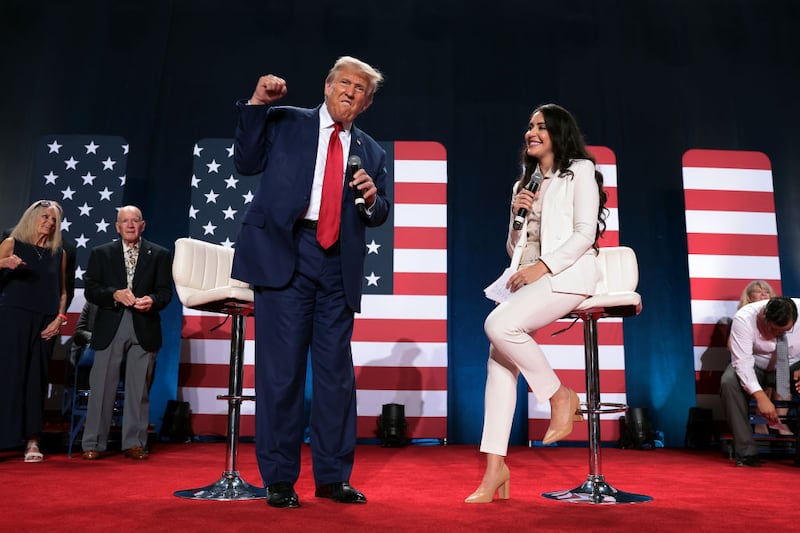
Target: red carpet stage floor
{"type": "Point", "coordinates": [416, 488]}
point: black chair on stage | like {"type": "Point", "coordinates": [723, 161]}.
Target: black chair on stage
{"type": "Point", "coordinates": [75, 401]}
{"type": "Point", "coordinates": [202, 274]}
{"type": "Point", "coordinates": [621, 273]}
{"type": "Point", "coordinates": [780, 441]}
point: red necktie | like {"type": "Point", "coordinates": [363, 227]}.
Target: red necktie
{"type": "Point", "coordinates": [330, 208]}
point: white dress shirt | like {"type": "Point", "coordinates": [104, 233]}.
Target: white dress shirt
{"type": "Point", "coordinates": [749, 350]}
{"type": "Point", "coordinates": [325, 130]}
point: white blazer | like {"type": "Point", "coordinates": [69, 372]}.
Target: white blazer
{"type": "Point", "coordinates": [568, 228]}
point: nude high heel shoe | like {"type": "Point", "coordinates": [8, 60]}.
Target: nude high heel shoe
{"type": "Point", "coordinates": [558, 432]}
{"type": "Point", "coordinates": [502, 487]}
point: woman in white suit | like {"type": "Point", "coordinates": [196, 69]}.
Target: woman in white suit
{"type": "Point", "coordinates": [558, 269]}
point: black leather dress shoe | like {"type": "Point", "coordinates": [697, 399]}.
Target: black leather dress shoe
{"type": "Point", "coordinates": [340, 492]}
{"type": "Point", "coordinates": [748, 460]}
{"type": "Point", "coordinates": [282, 495]}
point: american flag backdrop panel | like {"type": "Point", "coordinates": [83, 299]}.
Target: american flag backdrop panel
{"type": "Point", "coordinates": [220, 195]}
{"type": "Point", "coordinates": [86, 175]}
{"type": "Point", "coordinates": [732, 239]}
{"type": "Point", "coordinates": [400, 337]}
{"type": "Point", "coordinates": [565, 350]}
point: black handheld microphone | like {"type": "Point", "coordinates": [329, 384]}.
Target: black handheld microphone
{"type": "Point", "coordinates": [533, 186]}
{"type": "Point", "coordinates": [354, 165]}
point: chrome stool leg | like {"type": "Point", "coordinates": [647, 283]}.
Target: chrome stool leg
{"type": "Point", "coordinates": [231, 486]}
{"type": "Point", "coordinates": [595, 489]}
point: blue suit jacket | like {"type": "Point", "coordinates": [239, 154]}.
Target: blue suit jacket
{"type": "Point", "coordinates": [281, 143]}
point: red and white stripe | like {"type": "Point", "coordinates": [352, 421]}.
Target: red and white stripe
{"type": "Point", "coordinates": [565, 351]}
{"type": "Point", "coordinates": [732, 239]}
{"type": "Point", "coordinates": [399, 340]}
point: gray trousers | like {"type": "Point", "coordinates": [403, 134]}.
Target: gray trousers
{"type": "Point", "coordinates": [735, 402]}
{"type": "Point", "coordinates": [103, 382]}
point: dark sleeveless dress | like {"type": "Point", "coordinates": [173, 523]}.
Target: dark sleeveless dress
{"type": "Point", "coordinates": [29, 299]}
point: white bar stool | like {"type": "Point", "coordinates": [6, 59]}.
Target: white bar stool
{"type": "Point", "coordinates": [621, 274]}
{"type": "Point", "coordinates": [202, 275]}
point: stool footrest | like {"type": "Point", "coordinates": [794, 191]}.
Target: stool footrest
{"type": "Point", "coordinates": [235, 397]}
{"type": "Point", "coordinates": [604, 407]}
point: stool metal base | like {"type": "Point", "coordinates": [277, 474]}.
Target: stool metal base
{"type": "Point", "coordinates": [230, 487]}
{"type": "Point", "coordinates": [596, 490]}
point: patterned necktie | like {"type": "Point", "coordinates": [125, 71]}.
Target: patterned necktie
{"type": "Point", "coordinates": [782, 367]}
{"type": "Point", "coordinates": [330, 208]}
{"type": "Point", "coordinates": [131, 255]}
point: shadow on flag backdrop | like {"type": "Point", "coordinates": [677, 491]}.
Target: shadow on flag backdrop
{"type": "Point", "coordinates": [400, 337]}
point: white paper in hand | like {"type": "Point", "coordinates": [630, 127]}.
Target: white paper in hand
{"type": "Point", "coordinates": [497, 291]}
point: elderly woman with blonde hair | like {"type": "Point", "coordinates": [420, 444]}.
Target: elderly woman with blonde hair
{"type": "Point", "coordinates": [756, 290]}
{"type": "Point", "coordinates": [33, 302]}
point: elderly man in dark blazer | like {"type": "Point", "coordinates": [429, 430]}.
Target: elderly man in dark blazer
{"type": "Point", "coordinates": [130, 281]}
{"type": "Point", "coordinates": [302, 246]}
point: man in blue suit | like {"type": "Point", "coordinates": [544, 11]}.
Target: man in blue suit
{"type": "Point", "coordinates": [302, 247]}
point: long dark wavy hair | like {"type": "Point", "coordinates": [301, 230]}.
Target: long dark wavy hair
{"type": "Point", "coordinates": [568, 145]}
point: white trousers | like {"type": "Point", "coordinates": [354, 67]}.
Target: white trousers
{"type": "Point", "coordinates": [510, 328]}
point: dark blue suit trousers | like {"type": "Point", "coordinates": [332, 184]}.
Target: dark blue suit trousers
{"type": "Point", "coordinates": [311, 310]}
